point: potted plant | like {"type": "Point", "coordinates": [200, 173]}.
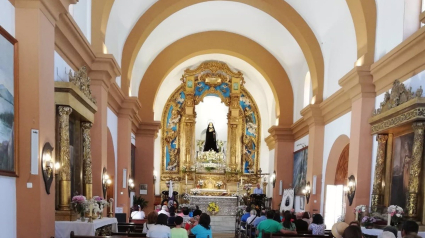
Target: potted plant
{"type": "Point", "coordinates": [139, 201]}
{"type": "Point", "coordinates": [368, 222]}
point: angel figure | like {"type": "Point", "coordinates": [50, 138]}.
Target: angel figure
{"type": "Point", "coordinates": [172, 164]}
{"type": "Point", "coordinates": [245, 100]}
{"type": "Point", "coordinates": [252, 128]}
{"type": "Point", "coordinates": [179, 99]}
{"type": "Point", "coordinates": [175, 118]}
{"type": "Point", "coordinates": [248, 115]}
{"type": "Point", "coordinates": [170, 136]}
{"type": "Point", "coordinates": [247, 157]}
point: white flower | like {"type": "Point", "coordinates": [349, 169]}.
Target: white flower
{"type": "Point", "coordinates": [398, 215]}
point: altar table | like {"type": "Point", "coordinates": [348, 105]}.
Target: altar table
{"type": "Point", "coordinates": [63, 228]}
{"type": "Point", "coordinates": [226, 204]}
{"type": "Point", "coordinates": [377, 232]}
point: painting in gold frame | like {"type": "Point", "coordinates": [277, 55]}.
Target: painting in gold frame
{"type": "Point", "coordinates": [8, 104]}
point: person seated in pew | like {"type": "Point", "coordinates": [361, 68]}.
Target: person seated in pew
{"type": "Point", "coordinates": [172, 216]}
{"type": "Point", "coordinates": [306, 217]}
{"type": "Point", "coordinates": [138, 214]}
{"type": "Point", "coordinates": [288, 224]}
{"type": "Point", "coordinates": [352, 232]}
{"type": "Point", "coordinates": [409, 228]}
{"type": "Point", "coordinates": [317, 227]}
{"type": "Point", "coordinates": [300, 223]}
{"type": "Point", "coordinates": [178, 231]}
{"type": "Point", "coordinates": [391, 229]}
{"type": "Point", "coordinates": [271, 226]}
{"type": "Point", "coordinates": [246, 214]}
{"type": "Point", "coordinates": [260, 219]}
{"type": "Point", "coordinates": [160, 229]}
{"type": "Point", "coordinates": [252, 217]}
{"type": "Point", "coordinates": [194, 221]}
{"type": "Point", "coordinates": [355, 223]}
{"type": "Point", "coordinates": [164, 210]}
{"type": "Point", "coordinates": [152, 217]}
{"type": "Point", "coordinates": [203, 229]}
{"type": "Point", "coordinates": [185, 216]}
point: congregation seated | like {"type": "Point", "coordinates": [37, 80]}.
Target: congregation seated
{"type": "Point", "coordinates": [246, 214]}
{"type": "Point", "coordinates": [178, 231]}
{"type": "Point", "coordinates": [287, 224]}
{"type": "Point", "coordinates": [317, 227]}
{"type": "Point", "coordinates": [271, 226]}
{"type": "Point", "coordinates": [172, 216]}
{"type": "Point", "coordinates": [203, 228]}
{"type": "Point", "coordinates": [391, 229]}
{"type": "Point", "coordinates": [252, 217]}
{"type": "Point", "coordinates": [152, 217]}
{"type": "Point", "coordinates": [185, 216]}
{"type": "Point", "coordinates": [300, 224]}
{"type": "Point", "coordinates": [160, 229]}
{"type": "Point", "coordinates": [194, 221]}
{"type": "Point", "coordinates": [260, 219]}
{"type": "Point", "coordinates": [138, 213]}
{"type": "Point", "coordinates": [354, 223]}
{"type": "Point", "coordinates": [352, 232]}
{"type": "Point", "coordinates": [410, 229]}
{"type": "Point", "coordinates": [164, 210]}
{"type": "Point", "coordinates": [306, 217]}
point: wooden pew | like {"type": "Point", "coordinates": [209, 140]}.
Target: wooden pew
{"type": "Point", "coordinates": [75, 236]}
{"type": "Point", "coordinates": [270, 235]}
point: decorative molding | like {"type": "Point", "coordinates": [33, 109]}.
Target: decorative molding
{"type": "Point", "coordinates": [82, 81]}
{"type": "Point", "coordinates": [399, 95]}
{"type": "Point", "coordinates": [357, 83]}
{"type": "Point", "coordinates": [115, 97]}
{"type": "Point", "coordinates": [299, 129]}
{"type": "Point", "coordinates": [402, 62]}
{"type": "Point", "coordinates": [335, 106]}
{"type": "Point", "coordinates": [212, 69]}
{"type": "Point", "coordinates": [149, 129]}
{"type": "Point", "coordinates": [422, 17]}
{"type": "Point", "coordinates": [401, 119]}
{"type": "Point", "coordinates": [312, 115]}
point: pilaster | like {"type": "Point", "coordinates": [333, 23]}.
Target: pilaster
{"type": "Point", "coordinates": [358, 84]}
{"type": "Point", "coordinates": [377, 192]}
{"type": "Point", "coordinates": [145, 138]}
{"type": "Point", "coordinates": [88, 177]}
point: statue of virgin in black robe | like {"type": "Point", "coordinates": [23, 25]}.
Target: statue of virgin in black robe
{"type": "Point", "coordinates": [210, 141]}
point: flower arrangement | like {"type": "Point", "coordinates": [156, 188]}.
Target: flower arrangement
{"type": "Point", "coordinates": [213, 207]}
{"type": "Point", "coordinates": [247, 186]}
{"type": "Point", "coordinates": [396, 213]}
{"type": "Point", "coordinates": [219, 184]}
{"type": "Point", "coordinates": [186, 196]}
{"type": "Point", "coordinates": [101, 203]}
{"type": "Point", "coordinates": [79, 203]}
{"type": "Point", "coordinates": [360, 209]}
{"type": "Point", "coordinates": [368, 221]}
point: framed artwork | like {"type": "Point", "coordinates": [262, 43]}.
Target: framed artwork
{"type": "Point", "coordinates": [8, 104]}
{"type": "Point", "coordinates": [300, 170]}
{"type": "Point", "coordinates": [143, 189]}
{"type": "Point", "coordinates": [400, 167]}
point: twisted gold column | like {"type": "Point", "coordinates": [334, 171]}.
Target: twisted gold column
{"type": "Point", "coordinates": [379, 169]}
{"type": "Point", "coordinates": [415, 169]}
{"type": "Point", "coordinates": [64, 158]}
{"type": "Point", "coordinates": [189, 130]}
{"type": "Point", "coordinates": [86, 126]}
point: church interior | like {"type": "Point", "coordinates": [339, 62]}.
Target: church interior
{"type": "Point", "coordinates": [113, 107]}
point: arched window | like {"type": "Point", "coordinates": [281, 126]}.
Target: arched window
{"type": "Point", "coordinates": [412, 10]}
{"type": "Point", "coordinates": [308, 91]}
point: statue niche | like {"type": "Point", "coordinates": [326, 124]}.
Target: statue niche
{"type": "Point", "coordinates": [210, 138]}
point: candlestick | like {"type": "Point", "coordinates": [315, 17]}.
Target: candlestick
{"type": "Point", "coordinates": [357, 216]}
{"type": "Point", "coordinates": [110, 207]}
{"type": "Point", "coordinates": [389, 219]}
{"type": "Point", "coordinates": [91, 209]}
{"type": "Point", "coordinates": [241, 182]}
{"type": "Point", "coordinates": [186, 179]}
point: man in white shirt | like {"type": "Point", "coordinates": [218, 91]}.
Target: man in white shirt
{"type": "Point", "coordinates": [164, 210]}
{"type": "Point", "coordinates": [138, 214]}
{"type": "Point", "coordinates": [258, 189]}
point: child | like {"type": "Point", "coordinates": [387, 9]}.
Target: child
{"type": "Point", "coordinates": [178, 231]}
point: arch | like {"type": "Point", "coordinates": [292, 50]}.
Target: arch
{"type": "Point", "coordinates": [218, 42]}
{"type": "Point", "coordinates": [364, 14]}
{"type": "Point", "coordinates": [337, 148]}
{"type": "Point", "coordinates": [280, 10]}
{"type": "Point", "coordinates": [341, 174]}
{"type": "Point", "coordinates": [99, 20]}
{"type": "Point", "coordinates": [110, 155]}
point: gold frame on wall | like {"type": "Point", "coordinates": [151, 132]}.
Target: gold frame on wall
{"type": "Point", "coordinates": [14, 43]}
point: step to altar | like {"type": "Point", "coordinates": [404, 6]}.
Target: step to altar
{"type": "Point", "coordinates": [223, 224]}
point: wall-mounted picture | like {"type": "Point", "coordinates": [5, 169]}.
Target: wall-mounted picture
{"type": "Point", "coordinates": [143, 189]}
{"type": "Point", "coordinates": [402, 155]}
{"type": "Point", "coordinates": [300, 170]}
{"type": "Point", "coordinates": [8, 104]}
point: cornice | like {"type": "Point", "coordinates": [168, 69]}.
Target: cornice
{"type": "Point", "coordinates": [148, 129]}
{"type": "Point", "coordinates": [51, 9]}
{"type": "Point", "coordinates": [422, 17]}
{"type": "Point", "coordinates": [299, 129]}
{"type": "Point", "coordinates": [135, 123]}
{"type": "Point", "coordinates": [402, 62]}
{"type": "Point", "coordinates": [278, 133]}
{"type": "Point", "coordinates": [130, 107]}
{"type": "Point", "coordinates": [312, 115]}
{"type": "Point", "coordinates": [115, 97]}
{"type": "Point", "coordinates": [335, 106]}
{"type": "Point", "coordinates": [358, 83]}
{"type": "Point", "coordinates": [104, 70]}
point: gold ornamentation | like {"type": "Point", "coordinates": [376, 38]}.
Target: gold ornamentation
{"type": "Point", "coordinates": [65, 171]}
{"type": "Point", "coordinates": [82, 81]}
{"type": "Point", "coordinates": [412, 203]}
{"type": "Point", "coordinates": [171, 177]}
{"type": "Point", "coordinates": [211, 72]}
{"type": "Point", "coordinates": [414, 114]}
{"type": "Point", "coordinates": [399, 95]}
{"type": "Point", "coordinates": [379, 170]}
{"type": "Point", "coordinates": [86, 126]}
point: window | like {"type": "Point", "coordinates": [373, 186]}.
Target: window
{"type": "Point", "coordinates": [308, 91]}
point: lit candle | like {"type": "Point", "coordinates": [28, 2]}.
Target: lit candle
{"type": "Point", "coordinates": [389, 219]}
{"type": "Point", "coordinates": [241, 181]}
{"type": "Point", "coordinates": [110, 207]}
{"type": "Point", "coordinates": [91, 209]}
{"type": "Point", "coordinates": [186, 179]}
{"type": "Point", "coordinates": [357, 216]}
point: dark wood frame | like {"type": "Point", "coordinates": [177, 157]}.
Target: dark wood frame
{"type": "Point", "coordinates": [293, 157]}
{"type": "Point", "coordinates": [14, 42]}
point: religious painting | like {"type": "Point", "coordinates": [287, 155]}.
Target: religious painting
{"type": "Point", "coordinates": [250, 132]}
{"type": "Point", "coordinates": [143, 189]}
{"type": "Point", "coordinates": [402, 155]}
{"type": "Point", "coordinates": [300, 170]}
{"type": "Point", "coordinates": [8, 103]}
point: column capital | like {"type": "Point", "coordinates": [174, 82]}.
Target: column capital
{"type": "Point", "coordinates": [148, 129]}
{"type": "Point", "coordinates": [278, 133]}
{"type": "Point", "coordinates": [51, 9]}
{"type": "Point", "coordinates": [418, 125]}
{"type": "Point", "coordinates": [382, 138]}
{"type": "Point", "coordinates": [358, 83]}
{"type": "Point", "coordinates": [130, 107]}
{"type": "Point", "coordinates": [104, 70]}
{"type": "Point", "coordinates": [312, 115]}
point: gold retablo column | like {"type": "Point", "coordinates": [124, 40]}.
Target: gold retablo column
{"type": "Point", "coordinates": [379, 169]}
{"type": "Point", "coordinates": [415, 169]}
{"type": "Point", "coordinates": [64, 158]}
{"type": "Point", "coordinates": [86, 126]}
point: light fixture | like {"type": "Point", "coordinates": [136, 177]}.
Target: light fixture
{"type": "Point", "coordinates": [130, 185]}
{"type": "Point", "coordinates": [351, 189]}
{"type": "Point", "coordinates": [47, 166]}
{"type": "Point", "coordinates": [273, 178]}
{"type": "Point", "coordinates": [307, 191]}
{"type": "Point", "coordinates": [106, 182]}
{"type": "Point", "coordinates": [154, 176]}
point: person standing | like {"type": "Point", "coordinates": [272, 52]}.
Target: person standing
{"type": "Point", "coordinates": [258, 189]}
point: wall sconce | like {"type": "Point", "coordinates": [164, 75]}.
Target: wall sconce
{"type": "Point", "coordinates": [47, 166]}
{"type": "Point", "coordinates": [154, 176]}
{"type": "Point", "coordinates": [106, 182]}
{"type": "Point", "coordinates": [273, 178]}
{"type": "Point", "coordinates": [307, 191]}
{"type": "Point", "coordinates": [350, 189]}
{"type": "Point", "coordinates": [130, 185]}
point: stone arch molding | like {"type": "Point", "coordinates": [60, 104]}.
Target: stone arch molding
{"type": "Point", "coordinates": [223, 43]}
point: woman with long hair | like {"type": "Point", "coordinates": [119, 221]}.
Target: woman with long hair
{"type": "Point", "coordinates": [287, 223]}
{"type": "Point", "coordinates": [160, 229]}
{"type": "Point", "coordinates": [317, 227]}
{"type": "Point", "coordinates": [203, 229]}
{"type": "Point", "coordinates": [352, 232]}
{"type": "Point", "coordinates": [152, 216]}
{"type": "Point", "coordinates": [306, 217]}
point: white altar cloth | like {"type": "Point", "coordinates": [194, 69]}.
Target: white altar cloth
{"type": "Point", "coordinates": [63, 228]}
{"type": "Point", "coordinates": [206, 190]}
{"type": "Point", "coordinates": [377, 232]}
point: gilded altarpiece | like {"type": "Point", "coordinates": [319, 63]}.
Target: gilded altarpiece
{"type": "Point", "coordinates": [179, 160]}
{"type": "Point", "coordinates": [399, 125]}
